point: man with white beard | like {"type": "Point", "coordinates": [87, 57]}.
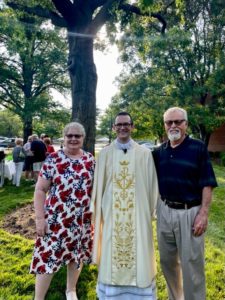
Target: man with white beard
{"type": "Point", "coordinates": [186, 180]}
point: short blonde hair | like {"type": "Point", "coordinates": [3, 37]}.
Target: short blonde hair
{"type": "Point", "coordinates": [19, 141]}
{"type": "Point", "coordinates": [76, 125]}
{"type": "Point", "coordinates": [176, 108]}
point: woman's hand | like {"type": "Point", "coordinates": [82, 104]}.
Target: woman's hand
{"type": "Point", "coordinates": [41, 227]}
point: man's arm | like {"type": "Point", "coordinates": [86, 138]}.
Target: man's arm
{"type": "Point", "coordinates": [201, 219]}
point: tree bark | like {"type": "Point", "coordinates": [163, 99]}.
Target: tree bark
{"type": "Point", "coordinates": [83, 78]}
{"type": "Point", "coordinates": [27, 128]}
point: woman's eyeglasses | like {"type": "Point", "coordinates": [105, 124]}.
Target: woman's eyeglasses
{"type": "Point", "coordinates": [176, 122]}
{"type": "Point", "coordinates": [76, 136]}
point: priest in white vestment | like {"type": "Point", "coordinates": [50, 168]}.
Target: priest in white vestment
{"type": "Point", "coordinates": [123, 204]}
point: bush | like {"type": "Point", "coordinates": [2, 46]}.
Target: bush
{"type": "Point", "coordinates": [222, 158]}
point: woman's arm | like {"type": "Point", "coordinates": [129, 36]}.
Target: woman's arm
{"type": "Point", "coordinates": [42, 187]}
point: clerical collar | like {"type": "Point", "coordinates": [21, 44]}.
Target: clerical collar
{"type": "Point", "coordinates": [125, 146]}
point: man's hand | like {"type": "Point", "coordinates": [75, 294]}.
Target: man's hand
{"type": "Point", "coordinates": [41, 227]}
{"type": "Point", "coordinates": [200, 223]}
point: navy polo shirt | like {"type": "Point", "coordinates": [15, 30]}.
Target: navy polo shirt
{"type": "Point", "coordinates": [39, 150]}
{"type": "Point", "coordinates": [183, 171]}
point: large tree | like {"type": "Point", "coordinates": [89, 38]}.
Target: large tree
{"type": "Point", "coordinates": [185, 67]}
{"type": "Point", "coordinates": [82, 20]}
{"type": "Point", "coordinates": [33, 60]}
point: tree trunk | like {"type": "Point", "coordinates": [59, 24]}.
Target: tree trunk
{"type": "Point", "coordinates": [204, 135]}
{"type": "Point", "coordinates": [27, 128]}
{"type": "Point", "coordinates": [83, 78]}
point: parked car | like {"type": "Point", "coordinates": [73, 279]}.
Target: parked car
{"type": "Point", "coordinates": [8, 143]}
{"type": "Point", "coordinates": [2, 138]}
{"type": "Point", "coordinates": [149, 145]}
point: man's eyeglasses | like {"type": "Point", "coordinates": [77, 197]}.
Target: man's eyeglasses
{"type": "Point", "coordinates": [76, 136]}
{"type": "Point", "coordinates": [120, 125]}
{"type": "Point", "coordinates": [176, 122]}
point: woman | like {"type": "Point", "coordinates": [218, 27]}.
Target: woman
{"type": "Point", "coordinates": [28, 164]}
{"type": "Point", "coordinates": [63, 219]}
{"type": "Point", "coordinates": [19, 155]}
{"type": "Point", "coordinates": [48, 144]}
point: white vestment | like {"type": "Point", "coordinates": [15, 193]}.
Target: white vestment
{"type": "Point", "coordinates": [123, 201]}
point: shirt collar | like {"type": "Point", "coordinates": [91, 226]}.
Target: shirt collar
{"type": "Point", "coordinates": [121, 146]}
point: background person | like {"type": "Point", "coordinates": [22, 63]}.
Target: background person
{"type": "Point", "coordinates": [28, 164]}
{"type": "Point", "coordinates": [42, 136]}
{"type": "Point", "coordinates": [39, 150]}
{"type": "Point", "coordinates": [186, 180]}
{"type": "Point", "coordinates": [19, 155]}
{"type": "Point", "coordinates": [63, 219]}
{"type": "Point", "coordinates": [124, 199]}
{"type": "Point", "coordinates": [48, 144]}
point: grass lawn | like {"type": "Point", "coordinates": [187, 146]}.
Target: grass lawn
{"type": "Point", "coordinates": [15, 253]}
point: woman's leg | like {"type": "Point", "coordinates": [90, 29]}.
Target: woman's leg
{"type": "Point", "coordinates": [72, 276]}
{"type": "Point", "coordinates": [41, 285]}
{"type": "Point", "coordinates": [15, 175]}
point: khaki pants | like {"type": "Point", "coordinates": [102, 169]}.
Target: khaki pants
{"type": "Point", "coordinates": [181, 253]}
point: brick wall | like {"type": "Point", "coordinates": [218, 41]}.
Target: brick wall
{"type": "Point", "coordinates": [217, 140]}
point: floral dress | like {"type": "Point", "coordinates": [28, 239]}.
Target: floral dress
{"type": "Point", "coordinates": [69, 235]}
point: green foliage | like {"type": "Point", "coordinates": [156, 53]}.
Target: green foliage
{"type": "Point", "coordinates": [52, 122]}
{"type": "Point", "coordinates": [10, 124]}
{"type": "Point", "coordinates": [15, 253]}
{"type": "Point", "coordinates": [222, 157]}
{"type": "Point", "coordinates": [34, 60]}
{"type": "Point", "coordinates": [184, 67]}
{"type": "Point", "coordinates": [105, 124]}
{"type": "Point", "coordinates": [146, 2]}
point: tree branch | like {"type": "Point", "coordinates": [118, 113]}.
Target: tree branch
{"type": "Point", "coordinates": [10, 99]}
{"type": "Point", "coordinates": [102, 17]}
{"type": "Point", "coordinates": [66, 8]}
{"type": "Point", "coordinates": [137, 11]}
{"type": "Point", "coordinates": [56, 19]}
{"type": "Point", "coordinates": [97, 3]}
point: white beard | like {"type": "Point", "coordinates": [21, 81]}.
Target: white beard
{"type": "Point", "coordinates": [174, 136]}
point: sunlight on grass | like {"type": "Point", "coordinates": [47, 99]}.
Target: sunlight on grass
{"type": "Point", "coordinates": [15, 253]}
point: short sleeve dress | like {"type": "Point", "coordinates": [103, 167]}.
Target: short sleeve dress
{"type": "Point", "coordinates": [69, 235]}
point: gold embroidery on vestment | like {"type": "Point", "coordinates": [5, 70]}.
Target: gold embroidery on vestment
{"type": "Point", "coordinates": [124, 182]}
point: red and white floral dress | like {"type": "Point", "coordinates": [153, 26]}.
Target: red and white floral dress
{"type": "Point", "coordinates": [69, 235]}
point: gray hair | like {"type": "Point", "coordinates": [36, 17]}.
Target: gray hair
{"type": "Point", "coordinates": [34, 137]}
{"type": "Point", "coordinates": [76, 125]}
{"type": "Point", "coordinates": [176, 108]}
